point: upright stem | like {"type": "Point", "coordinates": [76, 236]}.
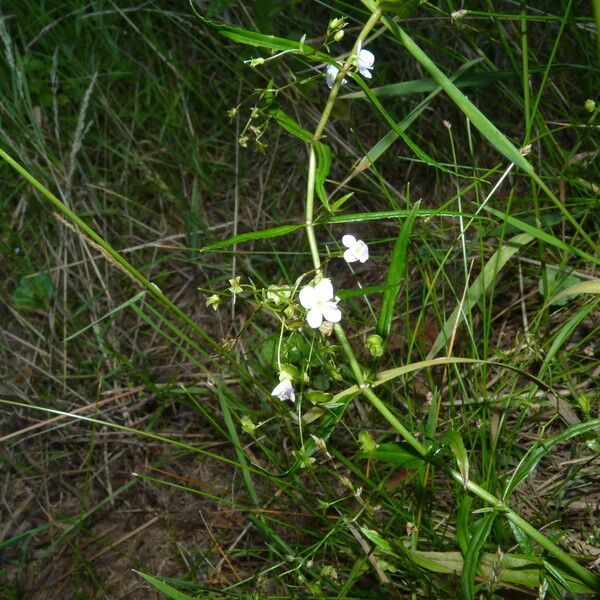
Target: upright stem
{"type": "Point", "coordinates": [310, 209]}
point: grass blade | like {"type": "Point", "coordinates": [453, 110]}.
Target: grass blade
{"type": "Point", "coordinates": [395, 275]}
{"type": "Point", "coordinates": [169, 591]}
{"type": "Point", "coordinates": [471, 558]}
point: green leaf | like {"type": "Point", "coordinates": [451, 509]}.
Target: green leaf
{"type": "Point", "coordinates": [556, 283]}
{"type": "Point", "coordinates": [380, 542]}
{"type": "Point", "coordinates": [395, 275]}
{"type": "Point", "coordinates": [587, 287]}
{"type": "Point", "coordinates": [539, 234]}
{"type": "Point", "coordinates": [565, 332]}
{"type": "Point", "coordinates": [259, 40]}
{"type": "Point", "coordinates": [289, 124]}
{"type": "Point", "coordinates": [456, 445]}
{"type": "Point", "coordinates": [478, 287]}
{"type": "Point", "coordinates": [114, 311]}
{"type": "Point", "coordinates": [323, 154]}
{"type": "Point", "coordinates": [391, 374]}
{"type": "Point", "coordinates": [169, 591]}
{"type": "Point", "coordinates": [529, 462]}
{"type": "Point", "coordinates": [515, 569]}
{"type": "Point", "coordinates": [33, 293]}
{"type": "Point", "coordinates": [337, 205]}
{"type": "Point", "coordinates": [401, 455]}
{"type": "Point", "coordinates": [471, 559]}
{"type": "Point", "coordinates": [463, 515]}
{"type": "Point", "coordinates": [253, 235]}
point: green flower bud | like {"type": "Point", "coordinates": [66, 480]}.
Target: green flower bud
{"type": "Point", "coordinates": [247, 425]}
{"type": "Point", "coordinates": [375, 345]}
{"type": "Point", "coordinates": [367, 443]}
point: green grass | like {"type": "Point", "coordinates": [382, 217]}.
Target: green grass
{"type": "Point", "coordinates": [455, 455]}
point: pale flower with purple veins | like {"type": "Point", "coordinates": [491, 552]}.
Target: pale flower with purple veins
{"type": "Point", "coordinates": [320, 303]}
{"type": "Point", "coordinates": [284, 391]}
{"type": "Point", "coordinates": [356, 249]}
{"type": "Point", "coordinates": [365, 60]}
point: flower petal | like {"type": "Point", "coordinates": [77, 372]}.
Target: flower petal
{"type": "Point", "coordinates": [284, 391]}
{"type": "Point", "coordinates": [324, 290]}
{"type": "Point", "coordinates": [361, 251]}
{"type": "Point", "coordinates": [331, 72]}
{"type": "Point", "coordinates": [348, 240]}
{"type": "Point", "coordinates": [349, 256]}
{"type": "Point", "coordinates": [332, 313]}
{"type": "Point", "coordinates": [314, 318]}
{"type": "Point", "coordinates": [365, 73]}
{"type": "Point", "coordinates": [308, 297]}
{"type": "Point", "coordinates": [366, 59]}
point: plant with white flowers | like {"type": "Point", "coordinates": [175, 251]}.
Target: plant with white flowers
{"type": "Point", "coordinates": [320, 303]}
{"type": "Point", "coordinates": [357, 250]}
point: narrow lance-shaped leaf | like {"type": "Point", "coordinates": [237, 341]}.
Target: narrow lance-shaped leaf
{"type": "Point", "coordinates": [323, 154]}
{"type": "Point", "coordinates": [419, 86]}
{"type": "Point", "coordinates": [161, 586]}
{"type": "Point", "coordinates": [463, 515]}
{"type": "Point", "coordinates": [252, 38]}
{"type": "Point", "coordinates": [456, 445]}
{"type": "Point", "coordinates": [541, 235]}
{"type": "Point", "coordinates": [395, 274]}
{"type": "Point", "coordinates": [471, 558]}
{"type": "Point", "coordinates": [586, 287]}
{"type": "Point", "coordinates": [289, 124]}
{"type": "Point", "coordinates": [251, 236]}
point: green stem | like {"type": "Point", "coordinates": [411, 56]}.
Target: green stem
{"type": "Point", "coordinates": [310, 209]}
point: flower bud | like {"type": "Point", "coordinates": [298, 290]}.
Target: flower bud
{"type": "Point", "coordinates": [336, 23]}
{"type": "Point", "coordinates": [247, 425]}
{"type": "Point", "coordinates": [375, 345]}
{"type": "Point", "coordinates": [590, 105]}
{"type": "Point", "coordinates": [339, 35]}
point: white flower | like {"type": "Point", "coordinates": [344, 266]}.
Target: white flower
{"type": "Point", "coordinates": [364, 61]}
{"type": "Point", "coordinates": [331, 72]}
{"type": "Point", "coordinates": [320, 303]}
{"type": "Point", "coordinates": [284, 391]}
{"type": "Point", "coordinates": [357, 249]}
